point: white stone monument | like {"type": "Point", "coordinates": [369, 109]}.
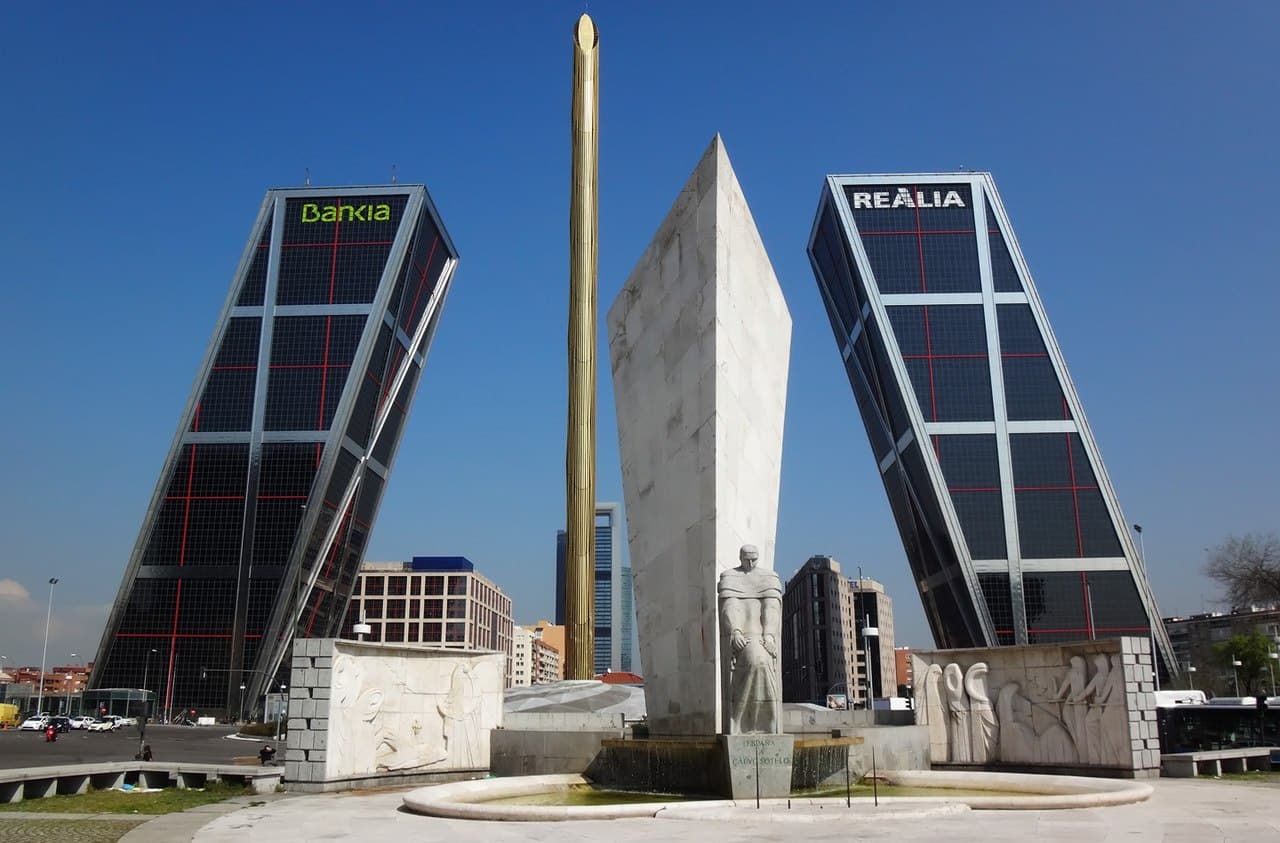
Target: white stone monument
{"type": "Point", "coordinates": [699, 340]}
{"type": "Point", "coordinates": [363, 711]}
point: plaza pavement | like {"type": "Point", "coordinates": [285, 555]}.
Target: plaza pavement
{"type": "Point", "coordinates": [1180, 811]}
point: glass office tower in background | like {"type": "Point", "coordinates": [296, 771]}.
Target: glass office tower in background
{"type": "Point", "coordinates": [262, 512]}
{"type": "Point", "coordinates": [1011, 527]}
{"type": "Point", "coordinates": [613, 591]}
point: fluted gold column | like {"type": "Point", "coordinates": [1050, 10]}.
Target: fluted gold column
{"type": "Point", "coordinates": [580, 452]}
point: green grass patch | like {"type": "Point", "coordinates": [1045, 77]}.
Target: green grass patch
{"type": "Point", "coordinates": [1268, 777]}
{"type": "Point", "coordinates": [167, 801]}
{"type": "Point", "coordinates": [261, 730]}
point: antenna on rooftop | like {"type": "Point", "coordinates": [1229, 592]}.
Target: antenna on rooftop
{"type": "Point", "coordinates": [395, 179]}
{"type": "Point", "coordinates": [307, 171]}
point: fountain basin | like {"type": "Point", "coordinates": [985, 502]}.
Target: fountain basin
{"type": "Point", "coordinates": [1009, 791]}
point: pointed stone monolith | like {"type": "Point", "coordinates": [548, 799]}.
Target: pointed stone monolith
{"type": "Point", "coordinates": [699, 340]}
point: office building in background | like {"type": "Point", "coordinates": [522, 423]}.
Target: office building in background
{"type": "Point", "coordinates": [535, 661]}
{"type": "Point", "coordinates": [613, 591]}
{"type": "Point", "coordinates": [1010, 525]}
{"type": "Point", "coordinates": [270, 488]}
{"type": "Point", "coordinates": [837, 636]}
{"type": "Point", "coordinates": [435, 601]}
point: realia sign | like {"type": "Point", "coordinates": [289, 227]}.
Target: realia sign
{"type": "Point", "coordinates": [904, 198]}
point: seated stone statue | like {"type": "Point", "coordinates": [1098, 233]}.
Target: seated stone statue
{"type": "Point", "coordinates": [750, 623]}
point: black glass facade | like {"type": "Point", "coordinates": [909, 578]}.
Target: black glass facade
{"type": "Point", "coordinates": [269, 493]}
{"type": "Point", "coordinates": [992, 475]}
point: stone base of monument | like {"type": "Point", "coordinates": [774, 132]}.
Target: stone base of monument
{"type": "Point", "coordinates": [757, 765]}
{"type": "Point", "coordinates": [660, 765]}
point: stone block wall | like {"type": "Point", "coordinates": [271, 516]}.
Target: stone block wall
{"type": "Point", "coordinates": [310, 678]}
{"type": "Point", "coordinates": [1082, 707]}
{"type": "Point", "coordinates": [361, 711]}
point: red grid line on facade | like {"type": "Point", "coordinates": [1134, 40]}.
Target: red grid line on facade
{"type": "Point", "coordinates": [325, 365]}
{"type": "Point", "coordinates": [334, 506]}
{"type": "Point", "coordinates": [391, 375]}
{"type": "Point", "coordinates": [181, 635]}
{"type": "Point", "coordinates": [944, 357]}
{"type": "Point", "coordinates": [1088, 610]}
{"type": "Point", "coordinates": [1075, 494]}
{"type": "Point", "coordinates": [928, 338]}
{"type": "Point", "coordinates": [328, 320]}
{"type": "Point", "coordinates": [422, 280]}
{"type": "Point", "coordinates": [1096, 629]}
{"type": "Point", "coordinates": [909, 233]}
{"type": "Point", "coordinates": [182, 560]}
{"type": "Point", "coordinates": [275, 366]}
{"type": "Point", "coordinates": [204, 497]}
{"type": "Point", "coordinates": [336, 245]}
{"type": "Point", "coordinates": [975, 489]}
{"type": "Point", "coordinates": [1069, 488]}
{"type": "Point", "coordinates": [338, 541]}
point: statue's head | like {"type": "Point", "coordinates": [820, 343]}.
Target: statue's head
{"type": "Point", "coordinates": [749, 556]}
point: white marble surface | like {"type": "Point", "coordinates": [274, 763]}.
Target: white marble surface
{"type": "Point", "coordinates": [1087, 704]}
{"type": "Point", "coordinates": [411, 709]}
{"type": "Point", "coordinates": [1179, 811]}
{"type": "Point", "coordinates": [699, 340]}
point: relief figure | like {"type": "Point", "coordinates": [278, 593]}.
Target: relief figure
{"type": "Point", "coordinates": [983, 728]}
{"type": "Point", "coordinates": [958, 738]}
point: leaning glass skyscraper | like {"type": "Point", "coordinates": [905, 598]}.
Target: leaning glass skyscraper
{"type": "Point", "coordinates": [261, 514]}
{"type": "Point", "coordinates": [1011, 527]}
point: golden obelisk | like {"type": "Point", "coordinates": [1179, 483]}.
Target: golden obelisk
{"type": "Point", "coordinates": [580, 451]}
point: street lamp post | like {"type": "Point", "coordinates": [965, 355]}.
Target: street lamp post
{"type": "Point", "coordinates": [45, 652]}
{"type": "Point", "coordinates": [146, 679]}
{"type": "Point", "coordinates": [1235, 674]}
{"type": "Point", "coordinates": [280, 715]}
{"type": "Point", "coordinates": [241, 702]}
{"type": "Point", "coordinates": [1191, 675]}
{"type": "Point", "coordinates": [1271, 670]}
{"type": "Point", "coordinates": [871, 632]}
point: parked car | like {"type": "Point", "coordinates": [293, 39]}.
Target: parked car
{"type": "Point", "coordinates": [81, 722]}
{"type": "Point", "coordinates": [101, 725]}
{"type": "Point", "coordinates": [126, 721]}
{"type": "Point", "coordinates": [34, 724]}
{"type": "Point", "coordinates": [62, 724]}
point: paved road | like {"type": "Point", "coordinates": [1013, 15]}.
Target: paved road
{"type": "Point", "coordinates": [204, 744]}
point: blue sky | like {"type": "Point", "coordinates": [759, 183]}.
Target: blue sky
{"type": "Point", "coordinates": [1133, 144]}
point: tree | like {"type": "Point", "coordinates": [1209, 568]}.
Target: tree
{"type": "Point", "coordinates": [1253, 651]}
{"type": "Point", "coordinates": [1248, 568]}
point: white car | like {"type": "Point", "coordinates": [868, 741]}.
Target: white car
{"type": "Point", "coordinates": [126, 721]}
{"type": "Point", "coordinates": [101, 726]}
{"type": "Point", "coordinates": [81, 722]}
{"type": "Point", "coordinates": [34, 724]}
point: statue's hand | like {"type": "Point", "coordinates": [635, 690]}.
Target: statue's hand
{"type": "Point", "coordinates": [738, 641]}
{"type": "Point", "coordinates": [770, 645]}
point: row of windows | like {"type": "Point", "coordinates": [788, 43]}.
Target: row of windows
{"type": "Point", "coordinates": [373, 607]}
{"type": "Point", "coordinates": [375, 585]}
